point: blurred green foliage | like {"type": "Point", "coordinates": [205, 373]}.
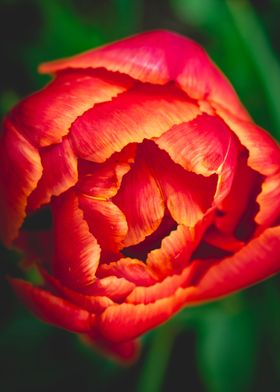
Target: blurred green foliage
{"type": "Point", "coordinates": [230, 345]}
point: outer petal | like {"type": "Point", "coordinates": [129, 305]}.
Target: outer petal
{"type": "Point", "coordinates": [126, 321]}
{"type": "Point", "coordinates": [53, 309]}
{"type": "Point", "coordinates": [94, 304]}
{"type": "Point", "coordinates": [58, 159]}
{"type": "Point", "coordinates": [145, 111]}
{"type": "Point", "coordinates": [77, 252]}
{"type": "Point", "coordinates": [139, 198]}
{"type": "Point", "coordinates": [264, 157]}
{"type": "Point", "coordinates": [20, 172]}
{"type": "Point", "coordinates": [125, 352]}
{"type": "Point", "coordinates": [264, 153]}
{"type": "Point", "coordinates": [158, 57]}
{"type": "Point", "coordinates": [46, 116]}
{"type": "Point", "coordinates": [269, 200]}
{"type": "Point", "coordinates": [258, 260]}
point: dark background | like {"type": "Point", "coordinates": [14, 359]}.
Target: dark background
{"type": "Point", "coordinates": [231, 345]}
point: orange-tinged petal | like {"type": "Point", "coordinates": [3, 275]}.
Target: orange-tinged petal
{"type": "Point", "coordinates": [103, 180]}
{"type": "Point", "coordinates": [264, 153]}
{"type": "Point", "coordinates": [92, 303]}
{"type": "Point", "coordinates": [106, 222]}
{"type": "Point", "coordinates": [174, 252]}
{"type": "Point", "coordinates": [20, 172]}
{"type": "Point", "coordinates": [77, 252]}
{"type": "Point", "coordinates": [127, 321]}
{"type": "Point", "coordinates": [139, 198]}
{"type": "Point", "coordinates": [158, 57]}
{"type": "Point", "coordinates": [159, 290]}
{"type": "Point", "coordinates": [256, 261]}
{"type": "Point", "coordinates": [58, 159]}
{"type": "Point", "coordinates": [269, 200]}
{"type": "Point", "coordinates": [187, 195]}
{"type": "Point", "coordinates": [113, 287]}
{"type": "Point", "coordinates": [145, 111]}
{"type": "Point", "coordinates": [131, 269]}
{"type": "Point", "coordinates": [242, 194]}
{"type": "Point", "coordinates": [46, 116]}
{"type": "Point", "coordinates": [205, 146]}
{"type": "Point", "coordinates": [53, 309]}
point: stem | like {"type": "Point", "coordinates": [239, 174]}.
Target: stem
{"type": "Point", "coordinates": [259, 48]}
{"type": "Point", "coordinates": [152, 375]}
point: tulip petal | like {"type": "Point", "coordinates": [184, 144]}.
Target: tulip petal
{"type": "Point", "coordinates": [106, 222]}
{"type": "Point", "coordinates": [77, 252]}
{"type": "Point", "coordinates": [46, 116]}
{"type": "Point", "coordinates": [174, 252]}
{"type": "Point", "coordinates": [127, 321]}
{"type": "Point", "coordinates": [242, 194]}
{"type": "Point", "coordinates": [258, 260]}
{"type": "Point", "coordinates": [125, 352]}
{"type": "Point", "coordinates": [264, 154]}
{"type": "Point", "coordinates": [20, 172]}
{"type": "Point", "coordinates": [53, 309]}
{"type": "Point", "coordinates": [269, 200]}
{"type": "Point", "coordinates": [159, 57]}
{"type": "Point", "coordinates": [93, 304]}
{"type": "Point", "coordinates": [187, 195]}
{"type": "Point", "coordinates": [204, 146]}
{"type": "Point", "coordinates": [103, 180]}
{"type": "Point", "coordinates": [264, 157]}
{"type": "Point", "coordinates": [131, 269]}
{"type": "Point", "coordinates": [59, 159]}
{"type": "Point", "coordinates": [139, 198]}
{"type": "Point", "coordinates": [129, 118]}
{"type": "Point", "coordinates": [163, 289]}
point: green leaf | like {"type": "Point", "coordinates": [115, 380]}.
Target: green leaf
{"type": "Point", "coordinates": [227, 346]}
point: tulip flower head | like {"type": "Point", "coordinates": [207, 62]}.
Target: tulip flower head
{"type": "Point", "coordinates": [162, 191]}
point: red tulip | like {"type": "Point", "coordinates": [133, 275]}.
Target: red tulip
{"type": "Point", "coordinates": [163, 192]}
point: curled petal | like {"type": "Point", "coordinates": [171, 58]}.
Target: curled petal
{"type": "Point", "coordinates": [258, 260]}
{"type": "Point", "coordinates": [46, 116]}
{"type": "Point", "coordinates": [129, 118]}
{"type": "Point", "coordinates": [204, 146]}
{"type": "Point", "coordinates": [264, 156]}
{"type": "Point", "coordinates": [20, 172]}
{"type": "Point", "coordinates": [139, 198]}
{"type": "Point", "coordinates": [58, 159]}
{"type": "Point", "coordinates": [159, 57]}
{"type": "Point", "coordinates": [174, 252]}
{"type": "Point", "coordinates": [187, 195]}
{"type": "Point", "coordinates": [53, 309]}
{"type": "Point", "coordinates": [269, 200]}
{"type": "Point", "coordinates": [131, 269]}
{"type": "Point", "coordinates": [103, 180]}
{"type": "Point", "coordinates": [106, 222]}
{"type": "Point", "coordinates": [77, 252]}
